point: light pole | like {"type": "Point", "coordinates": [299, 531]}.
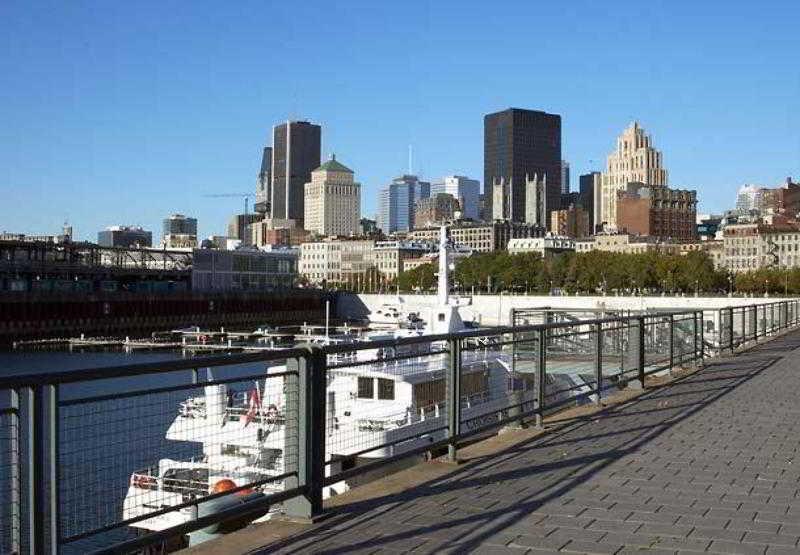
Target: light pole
{"type": "Point", "coordinates": [766, 287]}
{"type": "Point", "coordinates": [697, 288]}
{"type": "Point", "coordinates": [730, 285]}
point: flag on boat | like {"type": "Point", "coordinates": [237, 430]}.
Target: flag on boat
{"type": "Point", "coordinates": [254, 405]}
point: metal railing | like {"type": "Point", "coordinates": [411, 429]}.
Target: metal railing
{"type": "Point", "coordinates": [88, 454]}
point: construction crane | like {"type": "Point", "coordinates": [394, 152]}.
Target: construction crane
{"type": "Point", "coordinates": [245, 196]}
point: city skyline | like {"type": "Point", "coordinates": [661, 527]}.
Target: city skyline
{"type": "Point", "coordinates": [108, 139]}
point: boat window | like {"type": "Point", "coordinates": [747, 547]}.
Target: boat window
{"type": "Point", "coordinates": [366, 388]}
{"type": "Point", "coordinates": [385, 389]}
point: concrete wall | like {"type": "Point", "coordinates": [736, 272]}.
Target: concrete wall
{"type": "Point", "coordinates": [496, 309]}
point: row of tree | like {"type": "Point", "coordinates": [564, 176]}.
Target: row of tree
{"type": "Point", "coordinates": [597, 271]}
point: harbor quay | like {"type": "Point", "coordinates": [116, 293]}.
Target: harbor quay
{"type": "Point", "coordinates": [183, 452]}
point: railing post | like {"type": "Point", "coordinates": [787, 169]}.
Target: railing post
{"type": "Point", "coordinates": [730, 328]}
{"type": "Point", "coordinates": [454, 397]}
{"type": "Point", "coordinates": [702, 337]}
{"type": "Point", "coordinates": [309, 436]}
{"type": "Point", "coordinates": [744, 325]}
{"type": "Point", "coordinates": [640, 355]}
{"type": "Point", "coordinates": [43, 506]}
{"type": "Point", "coordinates": [541, 381]}
{"type": "Point", "coordinates": [598, 361]}
{"type": "Point", "coordinates": [671, 321]}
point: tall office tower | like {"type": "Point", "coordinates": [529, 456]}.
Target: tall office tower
{"type": "Point", "coordinates": [465, 190]}
{"type": "Point", "coordinates": [746, 198]}
{"type": "Point", "coordinates": [517, 143]}
{"type": "Point", "coordinates": [333, 200]}
{"type": "Point", "coordinates": [264, 181]}
{"type": "Point", "coordinates": [295, 154]}
{"type": "Point", "coordinates": [589, 194]}
{"type": "Point", "coordinates": [397, 201]}
{"type": "Point", "coordinates": [536, 208]}
{"type": "Point", "coordinates": [239, 227]}
{"type": "Point", "coordinates": [179, 232]}
{"type": "Point", "coordinates": [565, 184]}
{"type": "Point", "coordinates": [634, 161]}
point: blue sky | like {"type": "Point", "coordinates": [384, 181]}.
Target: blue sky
{"type": "Point", "coordinates": [123, 112]}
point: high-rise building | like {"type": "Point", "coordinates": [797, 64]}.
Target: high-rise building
{"type": "Point", "coordinates": [565, 183]}
{"type": "Point", "coordinates": [589, 197]}
{"type": "Point", "coordinates": [332, 200]}
{"type": "Point", "coordinates": [179, 232]}
{"type": "Point", "coordinates": [239, 227]}
{"type": "Point", "coordinates": [519, 143]}
{"type": "Point", "coordinates": [465, 190]}
{"type": "Point", "coordinates": [264, 181]}
{"type": "Point", "coordinates": [295, 154]}
{"type": "Point", "coordinates": [397, 201]}
{"type": "Point", "coordinates": [124, 236]}
{"type": "Point", "coordinates": [746, 198]}
{"type": "Point", "coordinates": [635, 160]}
{"type": "Point", "coordinates": [437, 209]}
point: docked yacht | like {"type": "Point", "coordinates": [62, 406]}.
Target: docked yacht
{"type": "Point", "coordinates": [380, 402]}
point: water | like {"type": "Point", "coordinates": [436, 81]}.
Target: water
{"type": "Point", "coordinates": [102, 442]}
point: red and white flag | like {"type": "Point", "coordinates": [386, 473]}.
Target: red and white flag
{"type": "Point", "coordinates": [254, 404]}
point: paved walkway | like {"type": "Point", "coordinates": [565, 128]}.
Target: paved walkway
{"type": "Point", "coordinates": [708, 464]}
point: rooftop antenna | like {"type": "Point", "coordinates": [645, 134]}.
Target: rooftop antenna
{"type": "Point", "coordinates": [410, 167]}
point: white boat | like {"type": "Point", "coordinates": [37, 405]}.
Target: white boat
{"type": "Point", "coordinates": [381, 402]}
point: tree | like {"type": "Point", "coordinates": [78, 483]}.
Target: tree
{"type": "Point", "coordinates": [421, 278]}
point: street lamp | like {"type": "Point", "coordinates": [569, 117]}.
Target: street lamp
{"type": "Point", "coordinates": [730, 285]}
{"type": "Point", "coordinates": [766, 287]}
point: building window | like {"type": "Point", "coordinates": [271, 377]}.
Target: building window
{"type": "Point", "coordinates": [366, 388]}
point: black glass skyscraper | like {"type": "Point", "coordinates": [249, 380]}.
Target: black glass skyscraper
{"type": "Point", "coordinates": [295, 154]}
{"type": "Point", "coordinates": [517, 143]}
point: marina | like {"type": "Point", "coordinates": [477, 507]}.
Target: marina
{"type": "Point", "coordinates": [219, 413]}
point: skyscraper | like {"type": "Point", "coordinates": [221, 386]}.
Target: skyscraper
{"type": "Point", "coordinates": [397, 201]}
{"type": "Point", "coordinates": [333, 200]}
{"type": "Point", "coordinates": [519, 143]}
{"type": "Point", "coordinates": [264, 182]}
{"type": "Point", "coordinates": [295, 154]}
{"type": "Point", "coordinates": [565, 184]}
{"type": "Point", "coordinates": [635, 160]}
{"type": "Point", "coordinates": [465, 190]}
{"type": "Point", "coordinates": [589, 195]}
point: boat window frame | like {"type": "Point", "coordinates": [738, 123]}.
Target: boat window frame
{"type": "Point", "coordinates": [382, 383]}
{"type": "Point", "coordinates": [363, 380]}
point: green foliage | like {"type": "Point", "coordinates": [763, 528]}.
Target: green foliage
{"type": "Point", "coordinates": [421, 278]}
{"type": "Point", "coordinates": [590, 272]}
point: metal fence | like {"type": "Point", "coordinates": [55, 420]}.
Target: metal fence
{"type": "Point", "coordinates": [117, 459]}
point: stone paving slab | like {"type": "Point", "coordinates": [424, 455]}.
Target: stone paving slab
{"type": "Point", "coordinates": [710, 463]}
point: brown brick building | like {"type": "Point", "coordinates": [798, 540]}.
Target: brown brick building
{"type": "Point", "coordinates": [570, 222]}
{"type": "Point", "coordinates": [658, 212]}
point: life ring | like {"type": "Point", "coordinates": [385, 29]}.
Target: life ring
{"type": "Point", "coordinates": [226, 484]}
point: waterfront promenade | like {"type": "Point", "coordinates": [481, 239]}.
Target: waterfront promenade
{"type": "Point", "coordinates": [708, 463]}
